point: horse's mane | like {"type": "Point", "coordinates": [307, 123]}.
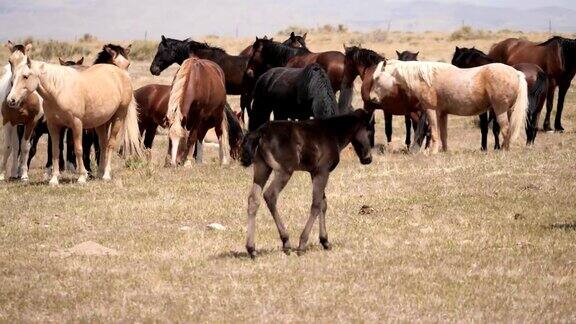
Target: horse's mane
{"type": "Point", "coordinates": [177, 95]}
{"type": "Point", "coordinates": [279, 53]}
{"type": "Point", "coordinates": [363, 56]}
{"type": "Point", "coordinates": [194, 45]}
{"type": "Point", "coordinates": [568, 47]}
{"type": "Point", "coordinates": [315, 85]}
{"type": "Point", "coordinates": [55, 75]}
{"type": "Point", "coordinates": [105, 57]}
{"type": "Point", "coordinates": [412, 73]}
{"type": "Point", "coordinates": [551, 40]}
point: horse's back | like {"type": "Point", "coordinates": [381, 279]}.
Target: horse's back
{"type": "Point", "coordinates": [208, 81]}
{"type": "Point", "coordinates": [106, 79]}
{"type": "Point", "coordinates": [152, 101]}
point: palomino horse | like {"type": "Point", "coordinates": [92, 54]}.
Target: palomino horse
{"type": "Point", "coordinates": [152, 102]}
{"type": "Point", "coordinates": [444, 89]}
{"type": "Point", "coordinates": [268, 54]}
{"type": "Point", "coordinates": [313, 146]}
{"type": "Point", "coordinates": [537, 86]}
{"type": "Point", "coordinates": [362, 62]}
{"type": "Point", "coordinates": [292, 93]}
{"type": "Point", "coordinates": [556, 56]}
{"type": "Point", "coordinates": [110, 54]}
{"type": "Point", "coordinates": [196, 104]}
{"type": "Point", "coordinates": [294, 40]}
{"type": "Point", "coordinates": [99, 97]}
{"type": "Point", "coordinates": [28, 112]}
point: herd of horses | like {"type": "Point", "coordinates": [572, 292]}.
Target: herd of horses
{"type": "Point", "coordinates": [96, 106]}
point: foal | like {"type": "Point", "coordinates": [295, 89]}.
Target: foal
{"type": "Point", "coordinates": [313, 146]}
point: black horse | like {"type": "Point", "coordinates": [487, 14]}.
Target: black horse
{"type": "Point", "coordinates": [537, 86]}
{"type": "Point", "coordinates": [312, 146]}
{"type": "Point", "coordinates": [292, 93]}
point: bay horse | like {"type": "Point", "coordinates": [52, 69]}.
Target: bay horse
{"type": "Point", "coordinates": [312, 146]}
{"type": "Point", "coordinates": [362, 62]}
{"type": "Point", "coordinates": [444, 89]}
{"type": "Point", "coordinates": [153, 101]}
{"type": "Point", "coordinates": [268, 54]}
{"type": "Point", "coordinates": [196, 104]}
{"type": "Point", "coordinates": [537, 87]}
{"type": "Point", "coordinates": [110, 54]}
{"type": "Point", "coordinates": [28, 112]}
{"type": "Point", "coordinates": [98, 97]}
{"type": "Point", "coordinates": [556, 56]}
{"type": "Point", "coordinates": [293, 40]}
{"type": "Point", "coordinates": [292, 93]}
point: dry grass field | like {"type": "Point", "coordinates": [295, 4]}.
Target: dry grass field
{"type": "Point", "coordinates": [459, 236]}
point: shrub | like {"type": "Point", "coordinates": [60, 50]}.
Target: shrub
{"type": "Point", "coordinates": [467, 33]}
{"type": "Point", "coordinates": [143, 50]}
{"type": "Point", "coordinates": [88, 38]}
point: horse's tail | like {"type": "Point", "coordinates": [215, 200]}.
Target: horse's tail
{"type": "Point", "coordinates": [5, 83]}
{"type": "Point", "coordinates": [132, 145]}
{"type": "Point", "coordinates": [319, 91]}
{"type": "Point", "coordinates": [174, 116]}
{"type": "Point", "coordinates": [535, 94]}
{"type": "Point", "coordinates": [519, 109]}
{"type": "Point", "coordinates": [235, 131]}
{"type": "Point", "coordinates": [249, 146]}
{"type": "Point", "coordinates": [224, 140]}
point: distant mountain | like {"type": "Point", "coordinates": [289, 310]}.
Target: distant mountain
{"type": "Point", "coordinates": [131, 19]}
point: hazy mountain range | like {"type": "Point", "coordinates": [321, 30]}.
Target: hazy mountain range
{"type": "Point", "coordinates": [131, 19]}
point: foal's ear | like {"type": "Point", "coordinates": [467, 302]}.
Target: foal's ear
{"type": "Point", "coordinates": [80, 61]}
{"type": "Point", "coordinates": [457, 49]}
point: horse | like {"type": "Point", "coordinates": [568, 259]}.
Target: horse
{"type": "Point", "coordinates": [292, 93]}
{"type": "Point", "coordinates": [443, 89]}
{"type": "Point", "coordinates": [268, 54]}
{"type": "Point", "coordinates": [28, 112]}
{"type": "Point", "coordinates": [407, 56]}
{"type": "Point", "coordinates": [110, 54]}
{"type": "Point", "coordinates": [556, 57]}
{"type": "Point", "coordinates": [99, 97]}
{"type": "Point", "coordinates": [293, 40]}
{"type": "Point", "coordinates": [196, 104]}
{"type": "Point", "coordinates": [153, 101]}
{"type": "Point", "coordinates": [537, 86]}
{"type": "Point", "coordinates": [362, 62]}
{"type": "Point", "coordinates": [313, 146]}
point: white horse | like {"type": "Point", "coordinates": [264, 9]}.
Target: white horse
{"type": "Point", "coordinates": [444, 89]}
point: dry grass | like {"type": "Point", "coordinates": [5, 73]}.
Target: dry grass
{"type": "Point", "coordinates": [461, 236]}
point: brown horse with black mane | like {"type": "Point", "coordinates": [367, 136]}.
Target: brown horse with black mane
{"type": "Point", "coordinates": [313, 146]}
{"type": "Point", "coordinates": [294, 40]}
{"type": "Point", "coordinates": [556, 56]}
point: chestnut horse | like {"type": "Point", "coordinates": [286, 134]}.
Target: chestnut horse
{"type": "Point", "coordinates": [196, 104]}
{"type": "Point", "coordinates": [312, 146]}
{"type": "Point", "coordinates": [362, 62]}
{"type": "Point", "coordinates": [99, 97]}
{"type": "Point", "coordinates": [152, 102]}
{"type": "Point", "coordinates": [537, 86]}
{"type": "Point", "coordinates": [294, 40]}
{"type": "Point", "coordinates": [556, 56]}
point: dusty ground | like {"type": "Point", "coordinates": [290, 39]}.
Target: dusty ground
{"type": "Point", "coordinates": [461, 236]}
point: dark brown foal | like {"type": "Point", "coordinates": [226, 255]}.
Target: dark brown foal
{"type": "Point", "coordinates": [313, 146]}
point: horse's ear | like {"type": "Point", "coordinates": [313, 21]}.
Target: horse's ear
{"type": "Point", "coordinates": [416, 55]}
{"type": "Point", "coordinates": [61, 61]}
{"type": "Point", "coordinates": [304, 36]}
{"type": "Point", "coordinates": [28, 48]}
{"type": "Point", "coordinates": [457, 49]}
{"type": "Point", "coordinates": [398, 53]}
{"type": "Point", "coordinates": [128, 49]}
{"type": "Point", "coordinates": [292, 35]}
{"type": "Point", "coordinates": [80, 61]}
{"type": "Point", "coordinates": [163, 39]}
{"type": "Point", "coordinates": [110, 51]}
{"type": "Point", "coordinates": [344, 45]}
{"type": "Point", "coordinates": [10, 46]}
{"type": "Point", "coordinates": [28, 61]}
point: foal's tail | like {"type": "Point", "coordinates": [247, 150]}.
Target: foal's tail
{"type": "Point", "coordinates": [249, 146]}
{"type": "Point", "coordinates": [519, 109]}
{"type": "Point", "coordinates": [132, 145]}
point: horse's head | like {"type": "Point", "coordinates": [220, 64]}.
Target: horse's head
{"type": "Point", "coordinates": [358, 59]}
{"type": "Point", "coordinates": [361, 136]}
{"type": "Point", "coordinates": [24, 79]}
{"type": "Point", "coordinates": [407, 56]}
{"type": "Point", "coordinates": [71, 63]}
{"type": "Point", "coordinates": [296, 41]}
{"type": "Point", "coordinates": [166, 55]}
{"type": "Point", "coordinates": [469, 57]}
{"type": "Point", "coordinates": [256, 61]}
{"type": "Point", "coordinates": [114, 54]}
{"type": "Point", "coordinates": [383, 83]}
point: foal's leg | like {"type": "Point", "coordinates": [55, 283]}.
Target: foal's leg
{"type": "Point", "coordinates": [322, 219]}
{"type": "Point", "coordinates": [319, 182]}
{"type": "Point", "coordinates": [261, 175]}
{"type": "Point", "coordinates": [77, 138]}
{"type": "Point", "coordinates": [280, 180]}
{"type": "Point", "coordinates": [6, 149]}
{"type": "Point", "coordinates": [54, 131]}
{"type": "Point", "coordinates": [502, 119]}
{"type": "Point", "coordinates": [223, 142]}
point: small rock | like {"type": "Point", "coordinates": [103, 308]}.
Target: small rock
{"type": "Point", "coordinates": [185, 228]}
{"type": "Point", "coordinates": [366, 210]}
{"type": "Point", "coordinates": [518, 216]}
{"type": "Point", "coordinates": [216, 227]}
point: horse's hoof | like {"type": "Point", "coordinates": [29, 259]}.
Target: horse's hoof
{"type": "Point", "coordinates": [53, 182]}
{"type": "Point", "coordinates": [559, 129]}
{"type": "Point", "coordinates": [327, 246]}
{"type": "Point", "coordinates": [24, 178]}
{"type": "Point", "coordinates": [70, 167]}
{"type": "Point", "coordinates": [547, 129]}
{"type": "Point", "coordinates": [188, 164]}
{"type": "Point", "coordinates": [287, 250]}
{"type": "Point", "coordinates": [2, 177]}
{"type": "Point", "coordinates": [301, 252]}
{"type": "Point", "coordinates": [251, 252]}
{"type": "Point", "coordinates": [82, 179]}
{"type": "Point", "coordinates": [106, 177]}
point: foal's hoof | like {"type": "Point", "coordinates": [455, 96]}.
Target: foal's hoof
{"type": "Point", "coordinates": [188, 164]}
{"type": "Point", "coordinates": [287, 250]}
{"type": "Point", "coordinates": [24, 178]}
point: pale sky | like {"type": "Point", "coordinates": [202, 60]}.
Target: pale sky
{"type": "Point", "coordinates": [131, 19]}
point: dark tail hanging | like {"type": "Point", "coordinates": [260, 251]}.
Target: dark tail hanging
{"type": "Point", "coordinates": [235, 131]}
{"type": "Point", "coordinates": [535, 101]}
{"type": "Point", "coordinates": [249, 146]}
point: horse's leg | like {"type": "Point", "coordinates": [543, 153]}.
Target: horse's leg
{"type": "Point", "coordinates": [496, 131]}
{"type": "Point", "coordinates": [280, 180]}
{"type": "Point", "coordinates": [188, 150]}
{"type": "Point", "coordinates": [54, 131]}
{"type": "Point", "coordinates": [261, 175]}
{"type": "Point", "coordinates": [97, 146]}
{"type": "Point", "coordinates": [25, 150]}
{"type": "Point", "coordinates": [15, 146]}
{"type": "Point", "coordinates": [33, 145]}
{"type": "Point", "coordinates": [223, 141]}
{"type": "Point", "coordinates": [61, 162]}
{"type": "Point", "coordinates": [408, 123]}
{"type": "Point", "coordinates": [149, 136]}
{"type": "Point", "coordinates": [549, 105]}
{"type": "Point", "coordinates": [319, 182]}
{"type": "Point", "coordinates": [112, 142]}
{"type": "Point", "coordinates": [6, 149]}
{"type": "Point", "coordinates": [102, 132]}
{"type": "Point", "coordinates": [77, 133]}
{"type": "Point", "coordinates": [71, 161]}
{"type": "Point", "coordinates": [388, 126]}
{"type": "Point", "coordinates": [562, 90]}
{"type": "Point", "coordinates": [433, 124]}
{"type": "Point", "coordinates": [503, 121]}
{"type": "Point", "coordinates": [484, 130]}
{"type": "Point", "coordinates": [443, 127]}
{"type": "Point", "coordinates": [87, 141]}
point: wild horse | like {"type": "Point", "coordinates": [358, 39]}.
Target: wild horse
{"type": "Point", "coordinates": [537, 87]}
{"type": "Point", "coordinates": [556, 56]}
{"type": "Point", "coordinates": [294, 40]}
{"type": "Point", "coordinates": [313, 146]}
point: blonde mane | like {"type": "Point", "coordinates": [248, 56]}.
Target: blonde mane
{"type": "Point", "coordinates": [177, 92]}
{"type": "Point", "coordinates": [54, 77]}
{"type": "Point", "coordinates": [411, 74]}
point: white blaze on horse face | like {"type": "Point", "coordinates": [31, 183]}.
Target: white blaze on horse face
{"type": "Point", "coordinates": [382, 86]}
{"type": "Point", "coordinates": [24, 81]}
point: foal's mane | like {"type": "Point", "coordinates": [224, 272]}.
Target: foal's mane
{"type": "Point", "coordinates": [279, 53]}
{"type": "Point", "coordinates": [363, 56]}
